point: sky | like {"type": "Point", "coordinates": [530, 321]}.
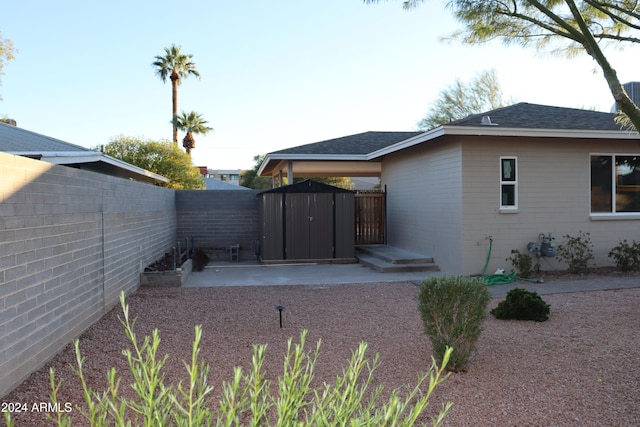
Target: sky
{"type": "Point", "coordinates": [274, 74]}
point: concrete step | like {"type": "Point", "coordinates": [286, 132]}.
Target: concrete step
{"type": "Point", "coordinates": [387, 259]}
{"type": "Point", "coordinates": [393, 255]}
{"type": "Point", "coordinates": [383, 266]}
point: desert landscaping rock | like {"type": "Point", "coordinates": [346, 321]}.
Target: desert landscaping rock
{"type": "Point", "coordinates": [578, 368]}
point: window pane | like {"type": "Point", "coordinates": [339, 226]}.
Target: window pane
{"type": "Point", "coordinates": [508, 195]}
{"type": "Point", "coordinates": [627, 184]}
{"type": "Point", "coordinates": [508, 169]}
{"type": "Point", "coordinates": [601, 184]}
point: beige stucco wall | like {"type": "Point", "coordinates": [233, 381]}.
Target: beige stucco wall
{"type": "Point", "coordinates": [455, 203]}
{"type": "Point", "coordinates": [424, 202]}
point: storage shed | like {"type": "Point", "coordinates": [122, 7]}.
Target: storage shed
{"type": "Point", "coordinates": [307, 220]}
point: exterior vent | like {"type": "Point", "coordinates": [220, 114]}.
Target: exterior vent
{"type": "Point", "coordinates": [9, 122]}
{"type": "Point", "coordinates": [486, 121]}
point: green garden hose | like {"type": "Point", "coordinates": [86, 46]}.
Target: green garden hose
{"type": "Point", "coordinates": [502, 279]}
{"type": "Point", "coordinates": [496, 279]}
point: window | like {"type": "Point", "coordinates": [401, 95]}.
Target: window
{"type": "Point", "coordinates": [615, 184]}
{"type": "Point", "coordinates": [508, 183]}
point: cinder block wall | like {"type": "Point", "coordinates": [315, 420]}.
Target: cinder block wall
{"type": "Point", "coordinates": [70, 241]}
{"type": "Point", "coordinates": [217, 219]}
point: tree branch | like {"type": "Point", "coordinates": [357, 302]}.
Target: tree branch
{"type": "Point", "coordinates": [591, 45]}
{"type": "Point", "coordinates": [604, 8]}
{"type": "Point", "coordinates": [575, 34]}
{"type": "Point", "coordinates": [601, 5]}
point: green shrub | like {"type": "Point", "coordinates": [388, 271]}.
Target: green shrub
{"type": "Point", "coordinates": [247, 399]}
{"type": "Point", "coordinates": [522, 263]}
{"type": "Point", "coordinates": [453, 309]}
{"type": "Point", "coordinates": [576, 252]}
{"type": "Point", "coordinates": [626, 256]}
{"type": "Point", "coordinates": [521, 304]}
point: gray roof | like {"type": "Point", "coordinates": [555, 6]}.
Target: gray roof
{"type": "Point", "coordinates": [216, 184]}
{"type": "Point", "coordinates": [361, 143]}
{"type": "Point", "coordinates": [534, 116]}
{"type": "Point", "coordinates": [15, 139]}
{"type": "Point", "coordinates": [22, 142]}
{"type": "Point", "coordinates": [522, 115]}
{"type": "Point", "coordinates": [518, 120]}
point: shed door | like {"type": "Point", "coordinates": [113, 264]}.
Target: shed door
{"type": "Point", "coordinates": [309, 226]}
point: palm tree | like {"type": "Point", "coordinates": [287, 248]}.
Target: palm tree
{"type": "Point", "coordinates": [192, 123]}
{"type": "Point", "coordinates": [175, 66]}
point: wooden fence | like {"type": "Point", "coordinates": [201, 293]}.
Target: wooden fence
{"type": "Point", "coordinates": [370, 207]}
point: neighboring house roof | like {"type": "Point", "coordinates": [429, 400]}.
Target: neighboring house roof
{"type": "Point", "coordinates": [21, 142]}
{"type": "Point", "coordinates": [522, 119]}
{"type": "Point", "coordinates": [365, 183]}
{"type": "Point", "coordinates": [216, 184]}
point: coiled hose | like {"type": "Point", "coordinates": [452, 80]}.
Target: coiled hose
{"type": "Point", "coordinates": [502, 279]}
{"type": "Point", "coordinates": [496, 279]}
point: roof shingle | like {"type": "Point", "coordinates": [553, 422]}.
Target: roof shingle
{"type": "Point", "coordinates": [361, 143]}
{"type": "Point", "coordinates": [17, 140]}
{"type": "Point", "coordinates": [534, 116]}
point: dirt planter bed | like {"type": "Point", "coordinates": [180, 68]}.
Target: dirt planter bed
{"type": "Point", "coordinates": [169, 278]}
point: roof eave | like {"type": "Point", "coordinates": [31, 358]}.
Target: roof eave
{"type": "Point", "coordinates": [540, 133]}
{"type": "Point", "coordinates": [71, 157]}
{"type": "Point", "coordinates": [502, 131]}
{"type": "Point", "coordinates": [418, 139]}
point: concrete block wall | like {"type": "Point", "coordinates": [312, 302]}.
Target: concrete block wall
{"type": "Point", "coordinates": [220, 218]}
{"type": "Point", "coordinates": [70, 241]}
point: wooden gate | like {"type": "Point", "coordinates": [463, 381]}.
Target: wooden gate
{"type": "Point", "coordinates": [370, 207]}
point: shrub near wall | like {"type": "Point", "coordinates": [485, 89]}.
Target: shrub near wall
{"type": "Point", "coordinates": [70, 241]}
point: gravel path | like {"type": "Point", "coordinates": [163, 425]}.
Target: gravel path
{"type": "Point", "coordinates": [579, 368]}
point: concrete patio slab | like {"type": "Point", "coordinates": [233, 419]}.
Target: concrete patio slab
{"type": "Point", "coordinates": [254, 274]}
{"type": "Point", "coordinates": [249, 273]}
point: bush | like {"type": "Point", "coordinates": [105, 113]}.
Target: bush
{"type": "Point", "coordinates": [247, 399]}
{"type": "Point", "coordinates": [522, 263]}
{"type": "Point", "coordinates": [626, 256]}
{"type": "Point", "coordinates": [521, 304]}
{"type": "Point", "coordinates": [453, 309]}
{"type": "Point", "coordinates": [576, 252]}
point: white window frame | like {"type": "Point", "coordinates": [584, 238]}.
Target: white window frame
{"type": "Point", "coordinates": [613, 214]}
{"type": "Point", "coordinates": [511, 182]}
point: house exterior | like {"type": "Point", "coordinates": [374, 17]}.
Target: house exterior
{"type": "Point", "coordinates": [495, 182]}
{"type": "Point", "coordinates": [22, 142]}
{"type": "Point", "coordinates": [221, 179]}
{"type": "Point", "coordinates": [231, 176]}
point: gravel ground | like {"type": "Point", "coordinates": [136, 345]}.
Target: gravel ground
{"type": "Point", "coordinates": [579, 368]}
